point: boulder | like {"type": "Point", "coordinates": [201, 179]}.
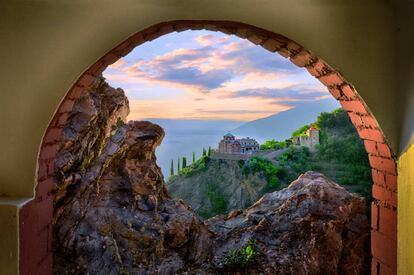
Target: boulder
{"type": "Point", "coordinates": [314, 226]}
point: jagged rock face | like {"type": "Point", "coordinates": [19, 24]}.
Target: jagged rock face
{"type": "Point", "coordinates": [314, 226]}
{"type": "Point", "coordinates": [112, 212]}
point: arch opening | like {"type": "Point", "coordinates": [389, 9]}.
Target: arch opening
{"type": "Point", "coordinates": [381, 157]}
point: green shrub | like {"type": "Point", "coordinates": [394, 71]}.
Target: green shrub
{"type": "Point", "coordinates": [295, 154]}
{"type": "Point", "coordinates": [273, 145]}
{"type": "Point", "coordinates": [217, 199]}
{"type": "Point", "coordinates": [257, 165]}
{"type": "Point", "coordinates": [198, 165]}
{"type": "Point", "coordinates": [315, 167]}
{"type": "Point", "coordinates": [301, 131]}
{"type": "Point", "coordinates": [241, 257]}
{"type": "Point", "coordinates": [341, 147]}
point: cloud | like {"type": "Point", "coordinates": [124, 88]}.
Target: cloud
{"type": "Point", "coordinates": [252, 57]}
{"type": "Point", "coordinates": [279, 96]}
{"type": "Point", "coordinates": [193, 76]}
{"type": "Point", "coordinates": [210, 76]}
{"type": "Point", "coordinates": [233, 112]}
{"type": "Point", "coordinates": [210, 39]}
{"type": "Point", "coordinates": [207, 67]}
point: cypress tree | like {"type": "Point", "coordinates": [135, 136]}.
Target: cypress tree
{"type": "Point", "coordinates": [204, 152]}
{"type": "Point", "coordinates": [178, 166]}
{"type": "Point", "coordinates": [184, 162]}
{"type": "Point", "coordinates": [209, 151]}
{"type": "Point", "coordinates": [193, 157]}
{"type": "Point", "coordinates": [172, 168]}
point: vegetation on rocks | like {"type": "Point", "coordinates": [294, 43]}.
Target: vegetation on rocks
{"type": "Point", "coordinates": [273, 145]}
{"type": "Point", "coordinates": [239, 258]}
{"type": "Point", "coordinates": [340, 155]}
{"type": "Point", "coordinates": [293, 232]}
{"type": "Point", "coordinates": [187, 171]}
{"type": "Point", "coordinates": [261, 165]}
{"type": "Point", "coordinates": [217, 186]}
{"type": "Point", "coordinates": [301, 131]}
{"type": "Point", "coordinates": [217, 200]}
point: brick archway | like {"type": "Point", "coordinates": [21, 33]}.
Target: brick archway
{"type": "Point", "coordinates": [36, 216]}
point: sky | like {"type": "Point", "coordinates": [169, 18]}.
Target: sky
{"type": "Point", "coordinates": [210, 76]}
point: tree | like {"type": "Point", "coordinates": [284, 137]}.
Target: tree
{"type": "Point", "coordinates": [193, 157]}
{"type": "Point", "coordinates": [204, 152]}
{"type": "Point", "coordinates": [273, 144]}
{"type": "Point", "coordinates": [172, 168]}
{"type": "Point", "coordinates": [178, 166]}
{"type": "Point", "coordinates": [209, 151]}
{"type": "Point", "coordinates": [301, 131]}
{"type": "Point", "coordinates": [184, 162]}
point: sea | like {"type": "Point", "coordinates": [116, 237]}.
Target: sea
{"type": "Point", "coordinates": [183, 137]}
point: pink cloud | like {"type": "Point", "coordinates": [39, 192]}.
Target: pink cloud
{"type": "Point", "coordinates": [227, 79]}
{"type": "Point", "coordinates": [209, 39]}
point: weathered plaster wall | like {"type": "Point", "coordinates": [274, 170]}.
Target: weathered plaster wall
{"type": "Point", "coordinates": [405, 213]}
{"type": "Point", "coordinates": [406, 161]}
{"type": "Point", "coordinates": [406, 70]}
{"type": "Point", "coordinates": [48, 44]}
{"type": "Point", "coordinates": [9, 238]}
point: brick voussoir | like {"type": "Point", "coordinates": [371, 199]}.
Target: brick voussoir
{"type": "Point", "coordinates": [349, 91]}
{"type": "Point", "coordinates": [108, 59]}
{"type": "Point", "coordinates": [318, 68]}
{"type": "Point", "coordinates": [384, 195]}
{"type": "Point", "coordinates": [302, 59]}
{"type": "Point", "coordinates": [331, 79]}
{"type": "Point", "coordinates": [383, 164]}
{"type": "Point", "coordinates": [355, 106]}
{"type": "Point", "coordinates": [370, 134]}
{"type": "Point", "coordinates": [272, 45]}
{"type": "Point", "coordinates": [256, 39]}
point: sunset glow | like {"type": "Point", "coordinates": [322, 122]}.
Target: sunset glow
{"type": "Point", "coordinates": [207, 75]}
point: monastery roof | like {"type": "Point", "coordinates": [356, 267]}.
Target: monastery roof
{"type": "Point", "coordinates": [228, 135]}
{"type": "Point", "coordinates": [247, 139]}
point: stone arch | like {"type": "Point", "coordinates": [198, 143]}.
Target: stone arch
{"type": "Point", "coordinates": [36, 216]}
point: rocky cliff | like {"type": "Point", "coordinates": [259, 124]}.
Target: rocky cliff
{"type": "Point", "coordinates": [219, 187]}
{"type": "Point", "coordinates": [113, 214]}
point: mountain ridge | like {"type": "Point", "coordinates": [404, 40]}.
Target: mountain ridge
{"type": "Point", "coordinates": [285, 122]}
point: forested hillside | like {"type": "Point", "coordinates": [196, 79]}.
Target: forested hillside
{"type": "Point", "coordinates": [341, 155]}
{"type": "Point", "coordinates": [217, 186]}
